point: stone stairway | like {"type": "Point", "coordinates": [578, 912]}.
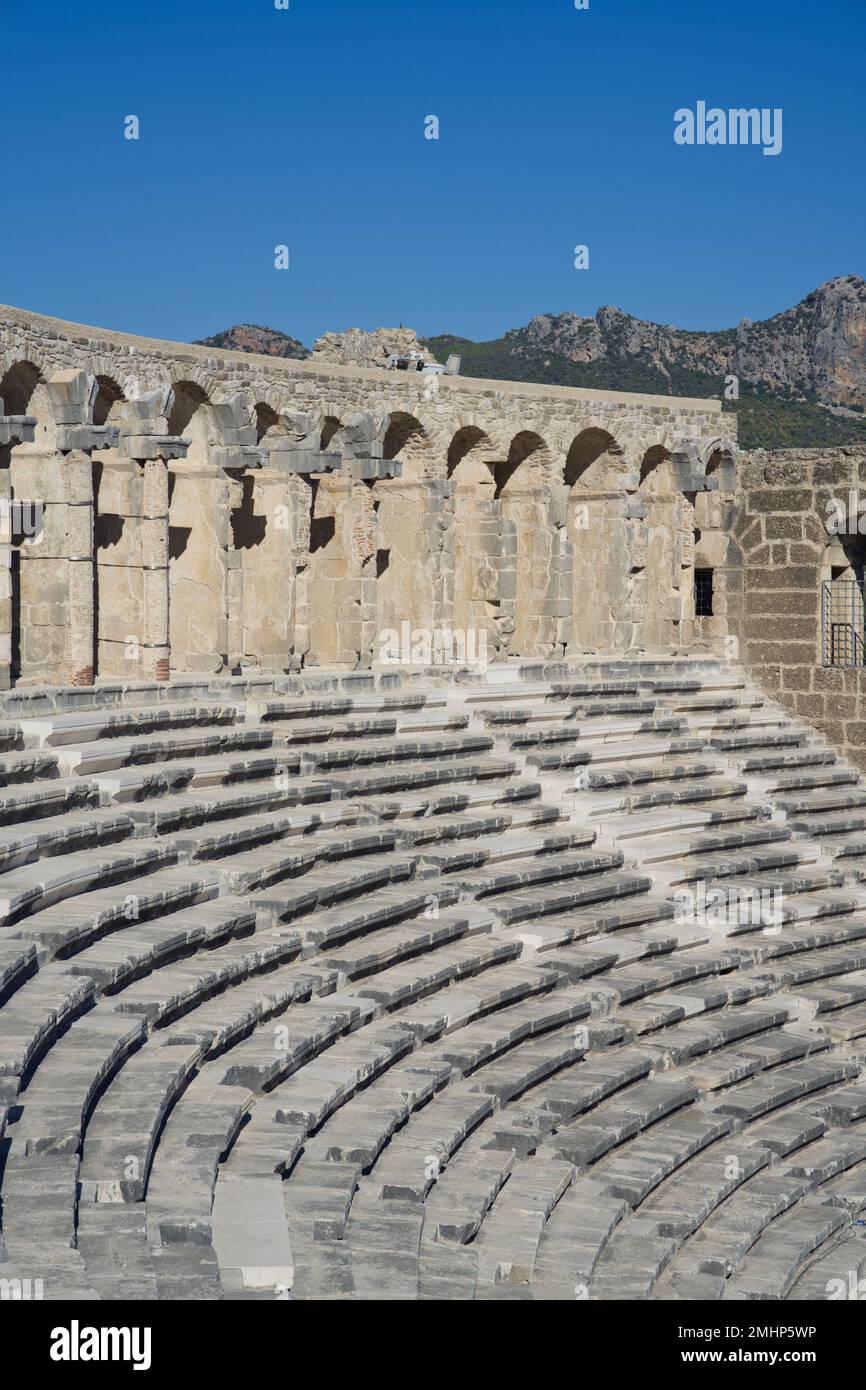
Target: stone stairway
{"type": "Point", "coordinates": [549, 984]}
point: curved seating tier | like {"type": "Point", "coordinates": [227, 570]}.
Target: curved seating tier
{"type": "Point", "coordinates": [546, 985]}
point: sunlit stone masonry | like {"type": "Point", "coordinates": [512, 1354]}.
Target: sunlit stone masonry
{"type": "Point", "coordinates": [407, 888]}
{"type": "Point", "coordinates": [204, 512]}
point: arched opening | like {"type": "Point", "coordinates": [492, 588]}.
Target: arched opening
{"type": "Point", "coordinates": [598, 539]}
{"type": "Point", "coordinates": [34, 482]}
{"type": "Point", "coordinates": [331, 426]}
{"type": "Point", "coordinates": [406, 439]}
{"type": "Point", "coordinates": [407, 566]}
{"type": "Point", "coordinates": [18, 386]}
{"type": "Point", "coordinates": [108, 396]}
{"type": "Point", "coordinates": [474, 534]}
{"type": "Point", "coordinates": [469, 446]}
{"type": "Point", "coordinates": [188, 397]}
{"type": "Point", "coordinates": [585, 451]}
{"type": "Point", "coordinates": [524, 446]}
{"type": "Point", "coordinates": [530, 547]}
{"type": "Point", "coordinates": [263, 537]}
{"type": "Point", "coordinates": [17, 389]}
{"type": "Point", "coordinates": [266, 420]}
{"type": "Point", "coordinates": [341, 543]}
{"type": "Point", "coordinates": [666, 587]}
{"type": "Point", "coordinates": [198, 503]}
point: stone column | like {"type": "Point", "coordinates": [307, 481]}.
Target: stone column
{"type": "Point", "coordinates": [81, 639]}
{"type": "Point", "coordinates": [154, 563]}
{"type": "Point", "coordinates": [531, 566]}
{"type": "Point", "coordinates": [14, 429]}
{"type": "Point", "coordinates": [62, 588]}
{"type": "Point", "coordinates": [604, 558]}
{"type": "Point", "coordinates": [140, 497]}
{"type": "Point", "coordinates": [484, 584]}
{"type": "Point", "coordinates": [409, 550]}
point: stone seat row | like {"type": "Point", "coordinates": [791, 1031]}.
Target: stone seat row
{"type": "Point", "coordinates": [372, 939]}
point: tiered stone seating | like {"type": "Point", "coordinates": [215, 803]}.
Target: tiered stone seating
{"type": "Point", "coordinates": [361, 986]}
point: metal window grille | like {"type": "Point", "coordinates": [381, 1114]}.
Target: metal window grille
{"type": "Point", "coordinates": [842, 623]}
{"type": "Point", "coordinates": [703, 593]}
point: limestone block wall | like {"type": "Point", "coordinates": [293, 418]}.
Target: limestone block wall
{"type": "Point", "coordinates": [412, 520]}
{"type": "Point", "coordinates": [780, 554]}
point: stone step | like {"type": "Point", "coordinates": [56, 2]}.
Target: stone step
{"type": "Point", "coordinates": [302, 734]}
{"type": "Point", "coordinates": [106, 755]}
{"type": "Point", "coordinates": [31, 765]}
{"type": "Point", "coordinates": [48, 797]}
{"type": "Point", "coordinates": [781, 761]}
{"type": "Point", "coordinates": [597, 731]}
{"type": "Point", "coordinates": [603, 754]}
{"type": "Point", "coordinates": [87, 726]}
{"type": "Point", "coordinates": [363, 754]}
{"type": "Point", "coordinates": [330, 706]}
{"type": "Point", "coordinates": [502, 849]}
{"type": "Point", "coordinates": [25, 891]}
{"type": "Point", "coordinates": [818, 803]}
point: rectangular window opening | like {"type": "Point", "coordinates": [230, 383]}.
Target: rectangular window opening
{"type": "Point", "coordinates": [703, 593]}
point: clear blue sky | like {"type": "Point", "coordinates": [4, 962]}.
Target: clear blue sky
{"type": "Point", "coordinates": [306, 127]}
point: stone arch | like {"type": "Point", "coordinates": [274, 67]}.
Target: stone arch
{"type": "Point", "coordinates": [531, 547]}
{"type": "Point", "coordinates": [335, 610]}
{"type": "Point", "coordinates": [468, 453]}
{"type": "Point", "coordinates": [109, 395]}
{"type": "Point", "coordinates": [409, 543]}
{"type": "Point", "coordinates": [18, 386]}
{"type": "Point", "coordinates": [663, 585]}
{"type": "Point", "coordinates": [598, 538]}
{"type": "Point", "coordinates": [473, 539]}
{"type": "Point", "coordinates": [331, 427]}
{"type": "Point", "coordinates": [264, 524]}
{"type": "Point", "coordinates": [656, 470]}
{"type": "Point", "coordinates": [32, 476]}
{"type": "Point", "coordinates": [407, 440]}
{"type": "Point", "coordinates": [594, 460]}
{"type": "Point", "coordinates": [720, 460]}
{"type": "Point", "coordinates": [198, 504]}
{"type": "Point", "coordinates": [189, 396]}
{"type": "Point", "coordinates": [528, 452]}
{"type": "Point", "coordinates": [844, 558]}
{"type": "Point", "coordinates": [267, 421]}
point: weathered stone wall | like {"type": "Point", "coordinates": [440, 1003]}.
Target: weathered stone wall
{"type": "Point", "coordinates": [786, 543]}
{"type": "Point", "coordinates": [206, 511]}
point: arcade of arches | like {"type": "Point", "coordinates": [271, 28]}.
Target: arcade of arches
{"type": "Point", "coordinates": [187, 523]}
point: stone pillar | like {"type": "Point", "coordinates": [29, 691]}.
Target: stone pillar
{"type": "Point", "coordinates": [135, 613]}
{"type": "Point", "coordinates": [409, 556]}
{"type": "Point", "coordinates": [299, 501]}
{"type": "Point", "coordinates": [14, 429]}
{"type": "Point", "coordinates": [81, 639]}
{"type": "Point", "coordinates": [341, 610]}
{"type": "Point", "coordinates": [205, 565]}
{"type": "Point", "coordinates": [604, 560]}
{"type": "Point", "coordinates": [57, 580]}
{"type": "Point", "coordinates": [484, 585]}
{"type": "Point", "coordinates": [658, 612]}
{"type": "Point", "coordinates": [154, 563]}
{"type": "Point", "coordinates": [530, 569]}
{"type": "Point", "coordinates": [706, 469]}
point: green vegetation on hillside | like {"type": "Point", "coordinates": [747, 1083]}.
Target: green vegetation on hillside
{"type": "Point", "coordinates": [765, 422]}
